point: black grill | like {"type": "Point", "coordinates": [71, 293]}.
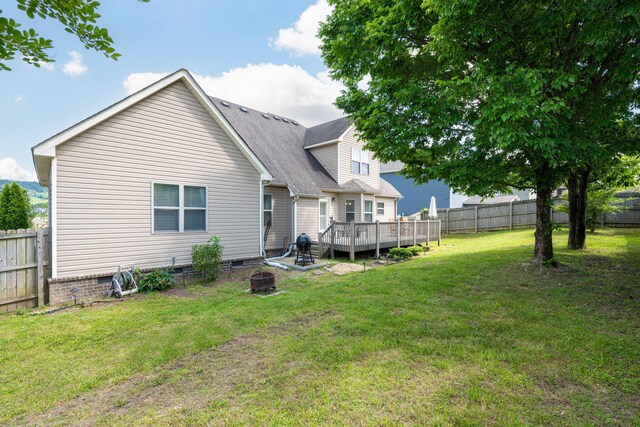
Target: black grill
{"type": "Point", "coordinates": [304, 256]}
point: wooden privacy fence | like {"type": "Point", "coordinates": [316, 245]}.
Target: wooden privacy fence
{"type": "Point", "coordinates": [520, 214]}
{"type": "Point", "coordinates": [355, 237]}
{"type": "Point", "coordinates": [23, 268]}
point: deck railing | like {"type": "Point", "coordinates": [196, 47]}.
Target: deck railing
{"type": "Point", "coordinates": [355, 237]}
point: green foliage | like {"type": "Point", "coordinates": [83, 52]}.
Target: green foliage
{"type": "Point", "coordinates": [486, 96]}
{"type": "Point", "coordinates": [206, 258]}
{"type": "Point", "coordinates": [79, 17]}
{"type": "Point", "coordinates": [157, 280]}
{"type": "Point", "coordinates": [401, 254]}
{"type": "Point", "coordinates": [15, 208]}
{"type": "Point", "coordinates": [600, 201]}
{"type": "Point", "coordinates": [415, 250]}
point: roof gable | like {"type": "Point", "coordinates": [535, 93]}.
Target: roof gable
{"type": "Point", "coordinates": [45, 151]}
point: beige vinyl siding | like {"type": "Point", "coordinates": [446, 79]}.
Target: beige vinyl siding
{"type": "Point", "coordinates": [328, 157]}
{"type": "Point", "coordinates": [389, 209]}
{"type": "Point", "coordinates": [281, 217]}
{"type": "Point", "coordinates": [350, 141]}
{"type": "Point", "coordinates": [307, 211]}
{"type": "Point", "coordinates": [104, 186]}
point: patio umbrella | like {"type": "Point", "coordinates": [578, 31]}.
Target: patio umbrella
{"type": "Point", "coordinates": [433, 212]}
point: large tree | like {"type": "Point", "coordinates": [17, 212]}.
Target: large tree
{"type": "Point", "coordinates": [486, 95]}
{"type": "Point", "coordinates": [15, 208]}
{"type": "Point", "coordinates": [79, 17]}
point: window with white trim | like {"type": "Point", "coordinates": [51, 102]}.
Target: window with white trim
{"type": "Point", "coordinates": [350, 210]}
{"type": "Point", "coordinates": [359, 161]}
{"type": "Point", "coordinates": [179, 208]}
{"type": "Point", "coordinates": [380, 210]}
{"type": "Point", "coordinates": [323, 214]}
{"type": "Point", "coordinates": [267, 209]}
{"type": "Point", "coordinates": [368, 210]}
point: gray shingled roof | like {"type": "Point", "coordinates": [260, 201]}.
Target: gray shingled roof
{"type": "Point", "coordinates": [391, 167]}
{"type": "Point", "coordinates": [279, 143]}
{"type": "Point", "coordinates": [324, 132]}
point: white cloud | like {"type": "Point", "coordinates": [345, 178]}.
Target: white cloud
{"type": "Point", "coordinates": [286, 90]}
{"type": "Point", "coordinates": [20, 98]}
{"type": "Point", "coordinates": [48, 66]}
{"type": "Point", "coordinates": [75, 67]}
{"type": "Point", "coordinates": [302, 38]}
{"type": "Point", "coordinates": [10, 169]}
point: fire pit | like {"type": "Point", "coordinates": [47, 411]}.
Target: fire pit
{"type": "Point", "coordinates": [263, 281]}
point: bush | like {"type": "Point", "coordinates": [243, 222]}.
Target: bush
{"type": "Point", "coordinates": [400, 253]}
{"type": "Point", "coordinates": [15, 208]}
{"type": "Point", "coordinates": [206, 258]}
{"type": "Point", "coordinates": [415, 250]}
{"type": "Point", "coordinates": [157, 280]}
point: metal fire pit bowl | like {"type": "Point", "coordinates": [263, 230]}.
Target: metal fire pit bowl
{"type": "Point", "coordinates": [263, 281]}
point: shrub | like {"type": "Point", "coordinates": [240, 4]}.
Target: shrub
{"type": "Point", "coordinates": [15, 208]}
{"type": "Point", "coordinates": [415, 250]}
{"type": "Point", "coordinates": [400, 253]}
{"type": "Point", "coordinates": [207, 258]}
{"type": "Point", "coordinates": [157, 280]}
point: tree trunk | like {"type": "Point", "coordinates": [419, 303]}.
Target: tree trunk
{"type": "Point", "coordinates": [577, 185]}
{"type": "Point", "coordinates": [543, 249]}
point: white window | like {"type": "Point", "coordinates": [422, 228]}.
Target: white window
{"type": "Point", "coordinates": [350, 209]}
{"type": "Point", "coordinates": [359, 162]}
{"type": "Point", "coordinates": [323, 215]}
{"type": "Point", "coordinates": [267, 210]}
{"type": "Point", "coordinates": [380, 208]}
{"type": "Point", "coordinates": [368, 210]}
{"type": "Point", "coordinates": [179, 208]}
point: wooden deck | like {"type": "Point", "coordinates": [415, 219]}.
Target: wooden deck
{"type": "Point", "coordinates": [356, 237]}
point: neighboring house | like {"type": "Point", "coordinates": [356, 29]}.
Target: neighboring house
{"type": "Point", "coordinates": [478, 200]}
{"type": "Point", "coordinates": [416, 197]}
{"type": "Point", "coordinates": [167, 167]}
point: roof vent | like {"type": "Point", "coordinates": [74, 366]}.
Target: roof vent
{"type": "Point", "coordinates": [225, 103]}
{"type": "Point", "coordinates": [276, 117]}
{"type": "Point", "coordinates": [285, 120]}
{"type": "Point", "coordinates": [294, 122]}
{"type": "Point", "coordinates": [266, 116]}
{"type": "Point", "coordinates": [244, 110]}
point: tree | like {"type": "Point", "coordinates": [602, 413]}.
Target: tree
{"type": "Point", "coordinates": [486, 95]}
{"type": "Point", "coordinates": [15, 208]}
{"type": "Point", "coordinates": [79, 17]}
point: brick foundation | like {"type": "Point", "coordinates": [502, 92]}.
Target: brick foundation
{"type": "Point", "coordinates": [95, 286]}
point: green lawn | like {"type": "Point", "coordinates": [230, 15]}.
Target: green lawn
{"type": "Point", "coordinates": [466, 335]}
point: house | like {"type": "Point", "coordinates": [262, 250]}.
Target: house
{"type": "Point", "coordinates": [417, 196]}
{"type": "Point", "coordinates": [167, 167]}
{"type": "Point", "coordinates": [478, 200]}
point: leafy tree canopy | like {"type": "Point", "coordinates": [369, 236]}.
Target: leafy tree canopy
{"type": "Point", "coordinates": [487, 94]}
{"type": "Point", "coordinates": [15, 208]}
{"type": "Point", "coordinates": [79, 17]}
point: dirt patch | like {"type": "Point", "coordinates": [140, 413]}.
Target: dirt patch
{"type": "Point", "coordinates": [343, 268]}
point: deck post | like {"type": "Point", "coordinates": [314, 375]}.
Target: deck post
{"type": "Point", "coordinates": [320, 246]}
{"type": "Point", "coordinates": [415, 230]}
{"type": "Point", "coordinates": [439, 231]}
{"type": "Point", "coordinates": [398, 232]}
{"type": "Point", "coordinates": [377, 239]}
{"type": "Point", "coordinates": [333, 239]}
{"type": "Point", "coordinates": [352, 246]}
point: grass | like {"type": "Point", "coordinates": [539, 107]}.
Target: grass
{"type": "Point", "coordinates": [466, 335]}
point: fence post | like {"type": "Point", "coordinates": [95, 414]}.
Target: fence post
{"type": "Point", "coordinates": [511, 215]}
{"type": "Point", "coordinates": [476, 210]}
{"type": "Point", "coordinates": [40, 270]}
{"type": "Point", "coordinates": [333, 239]}
{"type": "Point", "coordinates": [428, 232]}
{"type": "Point", "coordinates": [377, 239]}
{"type": "Point", "coordinates": [447, 221]}
{"type": "Point", "coordinates": [603, 220]}
{"type": "Point", "coordinates": [439, 231]}
{"type": "Point", "coordinates": [352, 246]}
{"type": "Point", "coordinates": [415, 230]}
{"type": "Point", "coordinates": [398, 233]}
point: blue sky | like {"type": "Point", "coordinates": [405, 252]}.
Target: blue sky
{"type": "Point", "coordinates": [259, 53]}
